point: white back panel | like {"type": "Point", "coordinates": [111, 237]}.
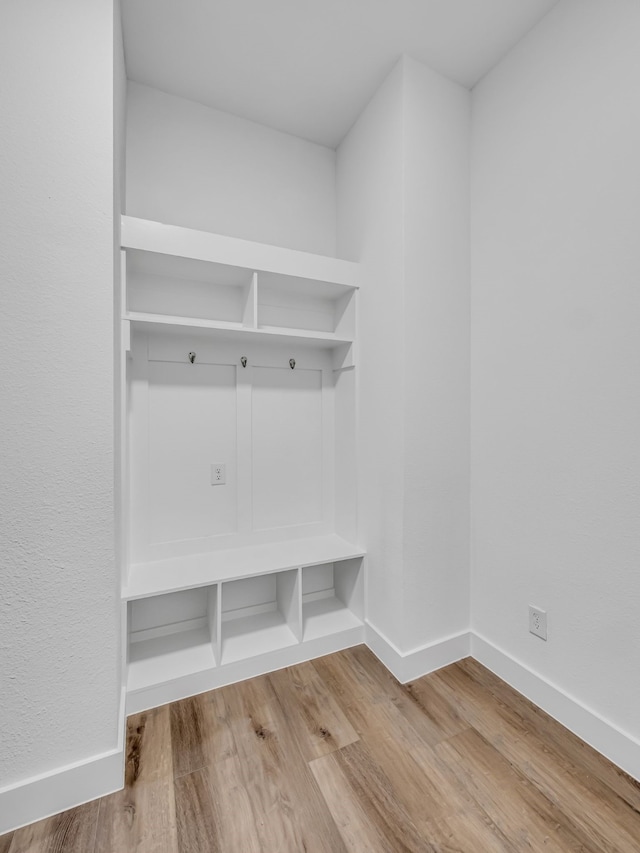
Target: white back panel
{"type": "Point", "coordinates": [167, 609]}
{"type": "Point", "coordinates": [317, 578]}
{"type": "Point", "coordinates": [192, 424]}
{"type": "Point", "coordinates": [293, 302]}
{"type": "Point", "coordinates": [161, 295]}
{"type": "Point", "coordinates": [294, 309]}
{"type": "Point", "coordinates": [249, 592]}
{"type": "Point", "coordinates": [287, 447]}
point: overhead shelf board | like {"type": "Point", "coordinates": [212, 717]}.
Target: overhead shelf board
{"type": "Point", "coordinates": [149, 236]}
{"type": "Point", "coordinates": [235, 331]}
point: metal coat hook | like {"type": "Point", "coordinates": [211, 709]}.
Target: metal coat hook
{"type": "Point", "coordinates": [192, 357]}
{"type": "Point", "coordinates": [243, 361]}
{"type": "Point", "coordinates": [292, 363]}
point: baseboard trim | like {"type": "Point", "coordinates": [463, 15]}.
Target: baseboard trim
{"type": "Point", "coordinates": [406, 666]}
{"type": "Point", "coordinates": [616, 745]}
{"type": "Point", "coordinates": [64, 788]}
{"type": "Point", "coordinates": [50, 793]}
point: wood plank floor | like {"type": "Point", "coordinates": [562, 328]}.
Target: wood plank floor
{"type": "Point", "coordinates": [335, 755]}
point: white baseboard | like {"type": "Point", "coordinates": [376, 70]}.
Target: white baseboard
{"type": "Point", "coordinates": [406, 666]}
{"type": "Point", "coordinates": [50, 793]}
{"type": "Point", "coordinates": [618, 746]}
{"type": "Point", "coordinates": [64, 788]}
{"type": "Point", "coordinates": [601, 734]}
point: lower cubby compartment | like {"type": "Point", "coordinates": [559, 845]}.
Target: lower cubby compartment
{"type": "Point", "coordinates": [259, 615]}
{"type": "Point", "coordinates": [332, 598]}
{"type": "Point", "coordinates": [172, 635]}
{"type": "Point", "coordinates": [187, 641]}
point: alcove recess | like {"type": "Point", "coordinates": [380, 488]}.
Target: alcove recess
{"type": "Point", "coordinates": [238, 407]}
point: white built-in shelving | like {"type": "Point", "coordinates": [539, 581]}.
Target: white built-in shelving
{"type": "Point", "coordinates": [231, 285]}
{"type": "Point", "coordinates": [241, 355]}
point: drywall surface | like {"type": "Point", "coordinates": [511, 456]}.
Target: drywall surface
{"type": "Point", "coordinates": [119, 207]}
{"type": "Point", "coordinates": [191, 165]}
{"type": "Point", "coordinates": [370, 228]}
{"type": "Point", "coordinates": [556, 354]}
{"type": "Point", "coordinates": [59, 699]}
{"type": "Point", "coordinates": [436, 117]}
{"type": "Point", "coordinates": [403, 212]}
{"type": "Point", "coordinates": [119, 119]}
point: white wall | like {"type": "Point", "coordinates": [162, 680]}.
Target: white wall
{"type": "Point", "coordinates": [59, 695]}
{"type": "Point", "coordinates": [556, 353]}
{"type": "Point", "coordinates": [436, 355]}
{"type": "Point", "coordinates": [370, 230]}
{"type": "Point", "coordinates": [119, 121]}
{"type": "Point", "coordinates": [403, 210]}
{"type": "Point", "coordinates": [191, 165]}
{"type": "Point", "coordinates": [119, 409]}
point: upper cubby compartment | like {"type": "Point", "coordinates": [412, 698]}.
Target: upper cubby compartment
{"type": "Point", "coordinates": [289, 302]}
{"type": "Point", "coordinates": [169, 285]}
{"type": "Point", "coordinates": [180, 277]}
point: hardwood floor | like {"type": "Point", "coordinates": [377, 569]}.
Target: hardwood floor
{"type": "Point", "coordinates": [335, 755]}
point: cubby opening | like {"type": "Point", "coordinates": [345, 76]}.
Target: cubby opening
{"type": "Point", "coordinates": [287, 302]}
{"type": "Point", "coordinates": [172, 635]}
{"type": "Point", "coordinates": [332, 598]}
{"type": "Point", "coordinates": [259, 615]}
{"type": "Point", "coordinates": [172, 286]}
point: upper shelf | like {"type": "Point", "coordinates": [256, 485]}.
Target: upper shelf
{"type": "Point", "coordinates": [149, 236]}
{"type": "Point", "coordinates": [237, 332]}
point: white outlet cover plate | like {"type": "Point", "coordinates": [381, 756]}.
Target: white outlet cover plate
{"type": "Point", "coordinates": [538, 622]}
{"type": "Point", "coordinates": [218, 474]}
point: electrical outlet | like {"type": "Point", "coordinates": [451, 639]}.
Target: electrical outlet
{"type": "Point", "coordinates": [538, 622]}
{"type": "Point", "coordinates": [218, 474]}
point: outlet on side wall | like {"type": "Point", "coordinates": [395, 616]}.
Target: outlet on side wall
{"type": "Point", "coordinates": [538, 622]}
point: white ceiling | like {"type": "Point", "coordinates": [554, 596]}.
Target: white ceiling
{"type": "Point", "coordinates": [308, 68]}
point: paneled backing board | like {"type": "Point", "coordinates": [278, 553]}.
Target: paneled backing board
{"type": "Point", "coordinates": [286, 439]}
